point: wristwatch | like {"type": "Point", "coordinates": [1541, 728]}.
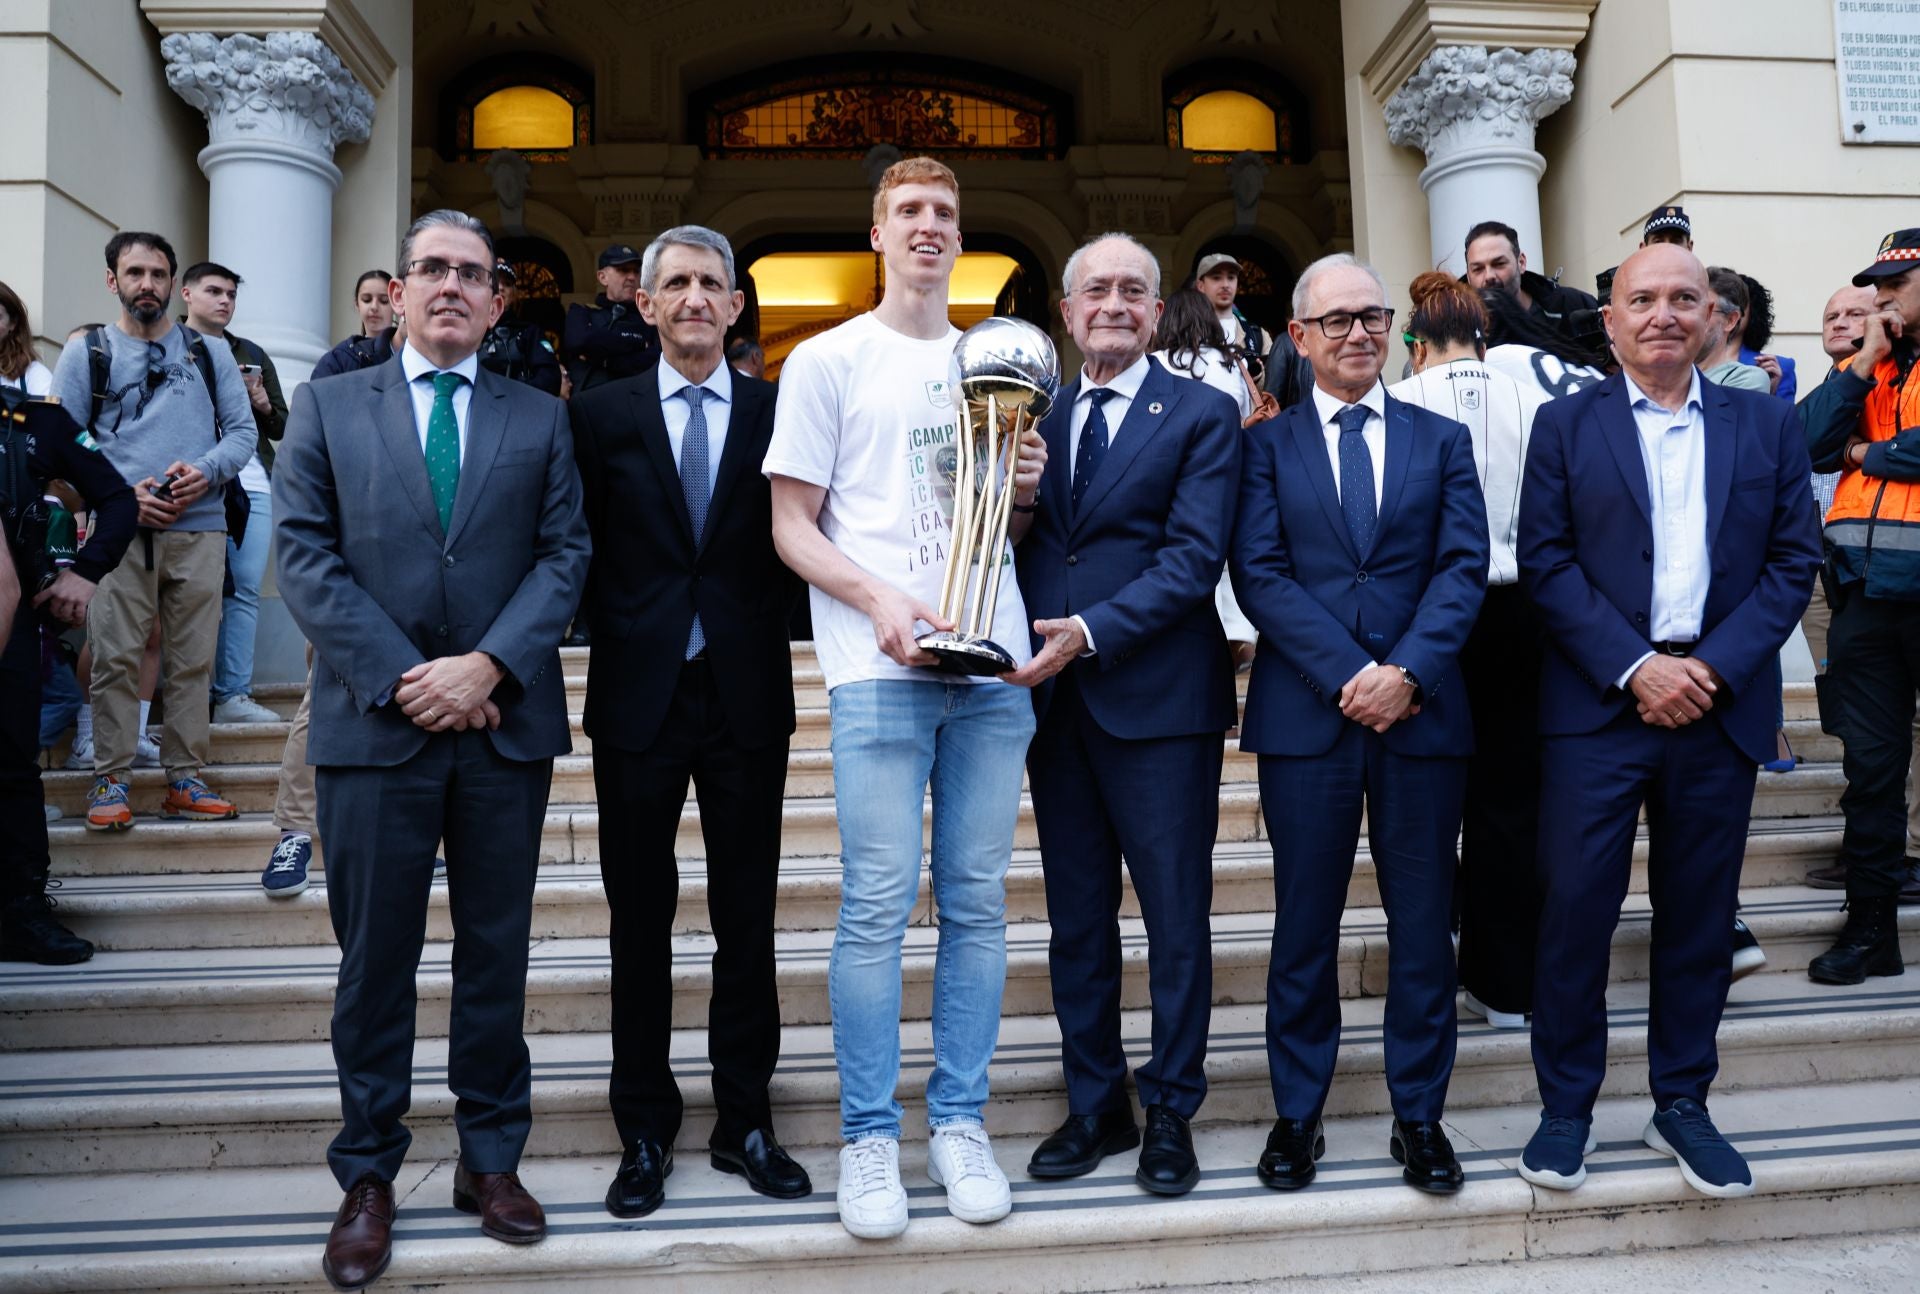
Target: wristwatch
{"type": "Point", "coordinates": [1408, 677]}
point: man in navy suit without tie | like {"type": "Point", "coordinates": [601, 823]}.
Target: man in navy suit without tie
{"type": "Point", "coordinates": [1133, 695]}
{"type": "Point", "coordinates": [1360, 554]}
{"type": "Point", "coordinates": [1669, 539]}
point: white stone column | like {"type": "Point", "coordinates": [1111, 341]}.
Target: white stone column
{"type": "Point", "coordinates": [1473, 114]}
{"type": "Point", "coordinates": [276, 108]}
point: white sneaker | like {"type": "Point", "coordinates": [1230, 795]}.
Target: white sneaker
{"type": "Point", "coordinates": [1498, 1019]}
{"type": "Point", "coordinates": [873, 1204]}
{"type": "Point", "coordinates": [146, 752]}
{"type": "Point", "coordinates": [243, 709]}
{"type": "Point", "coordinates": [81, 756]}
{"type": "Point", "coordinates": [961, 1159]}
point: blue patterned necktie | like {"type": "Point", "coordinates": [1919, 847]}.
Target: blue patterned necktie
{"type": "Point", "coordinates": [1356, 478]}
{"type": "Point", "coordinates": [694, 483]}
{"type": "Point", "coordinates": [443, 446]}
{"type": "Point", "coordinates": [1093, 445]}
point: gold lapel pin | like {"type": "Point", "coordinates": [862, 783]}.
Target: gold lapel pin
{"type": "Point", "coordinates": [1154, 407]}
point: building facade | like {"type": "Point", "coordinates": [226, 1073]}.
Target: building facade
{"type": "Point", "coordinates": [295, 140]}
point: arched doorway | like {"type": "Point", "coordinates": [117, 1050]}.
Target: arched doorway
{"type": "Point", "coordinates": [799, 285]}
{"type": "Point", "coordinates": [542, 278]}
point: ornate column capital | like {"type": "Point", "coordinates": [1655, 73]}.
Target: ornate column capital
{"type": "Point", "coordinates": [286, 88]}
{"type": "Point", "coordinates": [1462, 97]}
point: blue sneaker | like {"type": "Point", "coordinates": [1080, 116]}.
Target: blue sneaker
{"type": "Point", "coordinates": [1709, 1164]}
{"type": "Point", "coordinates": [286, 873]}
{"type": "Point", "coordinates": [1555, 1157]}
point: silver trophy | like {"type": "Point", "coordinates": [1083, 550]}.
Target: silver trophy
{"type": "Point", "coordinates": [1005, 375]}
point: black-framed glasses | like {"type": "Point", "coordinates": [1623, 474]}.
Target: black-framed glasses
{"type": "Point", "coordinates": [1338, 324]}
{"type": "Point", "coordinates": [434, 270]}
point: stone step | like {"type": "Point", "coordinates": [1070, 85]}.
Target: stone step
{"type": "Point", "coordinates": [229, 910]}
{"type": "Point", "coordinates": [1827, 1160]}
{"type": "Point", "coordinates": [264, 1104]}
{"type": "Point", "coordinates": [285, 994]}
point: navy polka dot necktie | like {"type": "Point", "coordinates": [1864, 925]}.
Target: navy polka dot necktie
{"type": "Point", "coordinates": [1356, 478]}
{"type": "Point", "coordinates": [1093, 444]}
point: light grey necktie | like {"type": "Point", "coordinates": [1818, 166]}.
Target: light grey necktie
{"type": "Point", "coordinates": [695, 485]}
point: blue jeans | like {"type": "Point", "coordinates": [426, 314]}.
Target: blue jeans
{"type": "Point", "coordinates": [240, 614]}
{"type": "Point", "coordinates": [60, 703]}
{"type": "Point", "coordinates": [891, 738]}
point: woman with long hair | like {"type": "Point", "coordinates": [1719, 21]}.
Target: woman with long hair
{"type": "Point", "coordinates": [380, 333]}
{"type": "Point", "coordinates": [19, 366]}
{"type": "Point", "coordinates": [1189, 342]}
{"type": "Point", "coordinates": [373, 303]}
{"type": "Point", "coordinates": [1500, 664]}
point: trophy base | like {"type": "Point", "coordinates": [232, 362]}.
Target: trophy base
{"type": "Point", "coordinates": [964, 654]}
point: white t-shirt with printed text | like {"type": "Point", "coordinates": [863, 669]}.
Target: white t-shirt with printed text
{"type": "Point", "coordinates": [866, 413]}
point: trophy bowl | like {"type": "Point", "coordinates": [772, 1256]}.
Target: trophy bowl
{"type": "Point", "coordinates": [1006, 374]}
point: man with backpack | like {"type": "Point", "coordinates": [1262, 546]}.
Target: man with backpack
{"type": "Point", "coordinates": [173, 415]}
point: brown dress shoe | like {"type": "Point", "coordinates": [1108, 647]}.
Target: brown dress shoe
{"type": "Point", "coordinates": [507, 1212]}
{"type": "Point", "coordinates": [361, 1243]}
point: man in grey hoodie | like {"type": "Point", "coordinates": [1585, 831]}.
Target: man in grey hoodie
{"type": "Point", "coordinates": [179, 443]}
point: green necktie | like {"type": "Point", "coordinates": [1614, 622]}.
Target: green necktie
{"type": "Point", "coordinates": [443, 446]}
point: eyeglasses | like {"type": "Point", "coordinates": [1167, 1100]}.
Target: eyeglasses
{"type": "Point", "coordinates": [1337, 325]}
{"type": "Point", "coordinates": [434, 270]}
{"type": "Point", "coordinates": [1131, 293]}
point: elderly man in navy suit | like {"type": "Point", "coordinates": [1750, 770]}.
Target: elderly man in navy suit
{"type": "Point", "coordinates": [1133, 695]}
{"type": "Point", "coordinates": [1669, 539]}
{"type": "Point", "coordinates": [1360, 554]}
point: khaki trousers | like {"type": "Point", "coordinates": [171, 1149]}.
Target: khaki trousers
{"type": "Point", "coordinates": [1816, 623]}
{"type": "Point", "coordinates": [295, 807]}
{"type": "Point", "coordinates": [182, 590]}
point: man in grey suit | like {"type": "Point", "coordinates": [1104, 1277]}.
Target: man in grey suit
{"type": "Point", "coordinates": [432, 547]}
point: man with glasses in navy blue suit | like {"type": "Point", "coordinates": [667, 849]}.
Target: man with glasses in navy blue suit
{"type": "Point", "coordinates": [1360, 554]}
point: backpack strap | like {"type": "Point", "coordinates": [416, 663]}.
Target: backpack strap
{"type": "Point", "coordinates": [203, 360]}
{"type": "Point", "coordinates": [99, 374]}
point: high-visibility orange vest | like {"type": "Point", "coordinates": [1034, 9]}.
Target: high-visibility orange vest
{"type": "Point", "coordinates": [1873, 527]}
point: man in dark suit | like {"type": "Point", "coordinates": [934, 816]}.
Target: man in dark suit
{"type": "Point", "coordinates": [1669, 540]}
{"type": "Point", "coordinates": [1125, 546]}
{"type": "Point", "coordinates": [691, 678]}
{"type": "Point", "coordinates": [432, 548]}
{"type": "Point", "coordinates": [1360, 554]}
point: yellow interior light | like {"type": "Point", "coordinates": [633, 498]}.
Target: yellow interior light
{"type": "Point", "coordinates": [522, 116]}
{"type": "Point", "coordinates": [1226, 121]}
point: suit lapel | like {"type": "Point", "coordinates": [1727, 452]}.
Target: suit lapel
{"type": "Point", "coordinates": [1623, 439]}
{"type": "Point", "coordinates": [486, 429]}
{"type": "Point", "coordinates": [659, 449]}
{"type": "Point", "coordinates": [393, 416]}
{"type": "Point", "coordinates": [1719, 454]}
{"type": "Point", "coordinates": [1147, 413]}
{"type": "Point", "coordinates": [1057, 430]}
{"type": "Point", "coordinates": [1310, 442]}
{"type": "Point", "coordinates": [1399, 431]}
{"type": "Point", "coordinates": [733, 455]}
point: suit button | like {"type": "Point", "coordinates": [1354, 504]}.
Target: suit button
{"type": "Point", "coordinates": [447, 561]}
{"type": "Point", "coordinates": [1640, 617]}
{"type": "Point", "coordinates": [1359, 577]}
{"type": "Point", "coordinates": [1072, 560]}
{"type": "Point", "coordinates": [1646, 554]}
{"type": "Point", "coordinates": [441, 632]}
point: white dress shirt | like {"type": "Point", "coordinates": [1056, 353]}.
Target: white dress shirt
{"type": "Point", "coordinates": [1374, 433]}
{"type": "Point", "coordinates": [419, 369]}
{"type": "Point", "coordinates": [1673, 449]}
{"type": "Point", "coordinates": [718, 405]}
{"type": "Point", "coordinates": [1125, 386]}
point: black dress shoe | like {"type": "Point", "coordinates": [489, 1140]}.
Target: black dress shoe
{"type": "Point", "coordinates": [1292, 1147]}
{"type": "Point", "coordinates": [1078, 1145]}
{"type": "Point", "coordinates": [767, 1168]}
{"type": "Point", "coordinates": [1167, 1163]}
{"type": "Point", "coordinates": [641, 1184]}
{"type": "Point", "coordinates": [1428, 1156]}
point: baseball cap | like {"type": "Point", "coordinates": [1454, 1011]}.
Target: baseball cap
{"type": "Point", "coordinates": [1211, 262]}
{"type": "Point", "coordinates": [1668, 218]}
{"type": "Point", "coordinates": [1899, 252]}
{"type": "Point", "coordinates": [618, 254]}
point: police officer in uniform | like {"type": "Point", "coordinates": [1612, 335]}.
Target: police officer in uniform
{"type": "Point", "coordinates": [514, 348]}
{"type": "Point", "coordinates": [609, 340]}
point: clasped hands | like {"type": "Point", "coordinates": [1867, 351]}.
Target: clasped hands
{"type": "Point", "coordinates": [1378, 696]}
{"type": "Point", "coordinates": [451, 693]}
{"type": "Point", "coordinates": [1673, 691]}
